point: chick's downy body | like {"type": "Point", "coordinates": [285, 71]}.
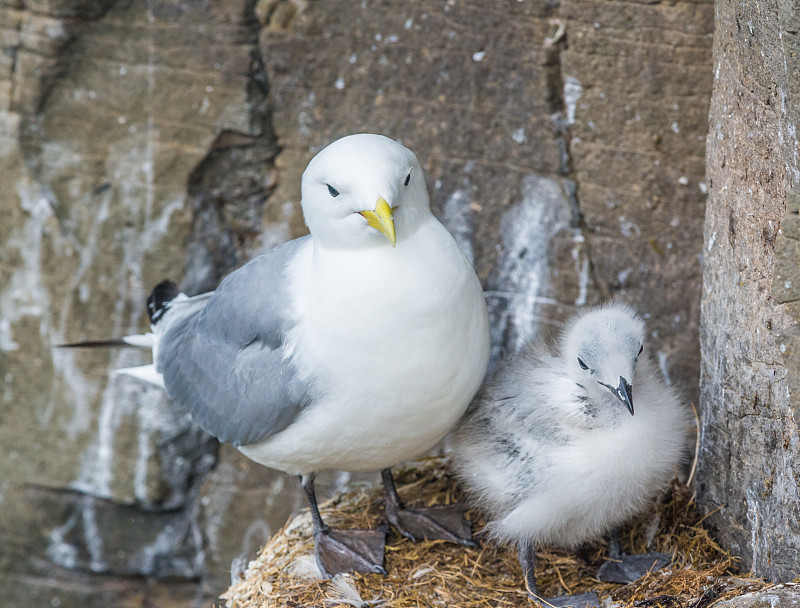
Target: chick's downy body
{"type": "Point", "coordinates": [551, 451]}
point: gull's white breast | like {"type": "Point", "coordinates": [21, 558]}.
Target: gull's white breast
{"type": "Point", "coordinates": [393, 342]}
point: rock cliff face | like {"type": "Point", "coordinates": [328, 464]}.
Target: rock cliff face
{"type": "Point", "coordinates": [563, 145]}
{"type": "Point", "coordinates": [749, 468]}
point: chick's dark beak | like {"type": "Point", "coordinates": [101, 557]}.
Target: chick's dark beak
{"type": "Point", "coordinates": [623, 393]}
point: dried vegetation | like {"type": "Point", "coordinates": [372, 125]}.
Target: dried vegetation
{"type": "Point", "coordinates": [435, 573]}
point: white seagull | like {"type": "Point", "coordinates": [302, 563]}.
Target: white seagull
{"type": "Point", "coordinates": [563, 447]}
{"type": "Point", "coordinates": [353, 348]}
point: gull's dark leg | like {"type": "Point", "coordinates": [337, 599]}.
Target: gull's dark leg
{"type": "Point", "coordinates": [307, 481]}
{"type": "Point", "coordinates": [624, 568]}
{"type": "Point", "coordinates": [342, 550]}
{"type": "Point", "coordinates": [446, 522]}
{"type": "Point", "coordinates": [527, 559]}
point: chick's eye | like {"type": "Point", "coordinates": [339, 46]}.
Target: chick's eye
{"type": "Point", "coordinates": [332, 191]}
{"type": "Point", "coordinates": [641, 348]}
{"type": "Point", "coordinates": [582, 364]}
{"type": "Point", "coordinates": [408, 179]}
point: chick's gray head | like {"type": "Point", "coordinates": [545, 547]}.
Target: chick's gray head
{"type": "Point", "coordinates": [601, 349]}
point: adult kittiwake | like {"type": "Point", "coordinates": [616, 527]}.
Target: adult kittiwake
{"type": "Point", "coordinates": [353, 348]}
{"type": "Point", "coordinates": [554, 451]}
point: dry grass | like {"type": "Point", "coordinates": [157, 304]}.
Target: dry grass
{"type": "Point", "coordinates": [435, 573]}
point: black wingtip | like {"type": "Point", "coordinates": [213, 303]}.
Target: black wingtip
{"type": "Point", "coordinates": [157, 301]}
{"type": "Point", "coordinates": [113, 342]}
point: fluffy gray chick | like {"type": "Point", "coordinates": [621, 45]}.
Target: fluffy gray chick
{"type": "Point", "coordinates": [562, 447]}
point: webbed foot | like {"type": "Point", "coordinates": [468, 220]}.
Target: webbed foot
{"type": "Point", "coordinates": [349, 551]}
{"type": "Point", "coordinates": [445, 522]}
{"type": "Point", "coordinates": [627, 568]}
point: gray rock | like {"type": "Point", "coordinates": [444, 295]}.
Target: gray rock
{"type": "Point", "coordinates": [780, 596]}
{"type": "Point", "coordinates": [749, 465]}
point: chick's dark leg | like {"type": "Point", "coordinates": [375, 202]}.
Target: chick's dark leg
{"type": "Point", "coordinates": [343, 550]}
{"type": "Point", "coordinates": [625, 568]}
{"type": "Point", "coordinates": [527, 559]}
{"type": "Point", "coordinates": [446, 522]}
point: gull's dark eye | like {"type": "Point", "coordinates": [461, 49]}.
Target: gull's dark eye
{"type": "Point", "coordinates": [582, 364]}
{"type": "Point", "coordinates": [333, 191]}
{"type": "Point", "coordinates": [408, 179]}
{"type": "Point", "coordinates": [641, 348]}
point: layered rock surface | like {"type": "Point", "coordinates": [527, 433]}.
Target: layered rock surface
{"type": "Point", "coordinates": [563, 146]}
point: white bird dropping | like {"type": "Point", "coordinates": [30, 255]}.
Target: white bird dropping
{"type": "Point", "coordinates": [562, 447]}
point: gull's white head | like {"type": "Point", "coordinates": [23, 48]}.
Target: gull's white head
{"type": "Point", "coordinates": [601, 349]}
{"type": "Point", "coordinates": [363, 191]}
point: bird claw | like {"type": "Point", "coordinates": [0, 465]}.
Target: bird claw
{"type": "Point", "coordinates": [349, 551]}
{"type": "Point", "coordinates": [439, 522]}
{"type": "Point", "coordinates": [628, 568]}
{"type": "Point", "coordinates": [578, 600]}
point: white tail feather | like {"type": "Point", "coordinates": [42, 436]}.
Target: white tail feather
{"type": "Point", "coordinates": [181, 305]}
{"type": "Point", "coordinates": [145, 373]}
{"type": "Point", "coordinates": [140, 340]}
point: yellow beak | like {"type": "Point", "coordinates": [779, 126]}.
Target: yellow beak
{"type": "Point", "coordinates": [381, 220]}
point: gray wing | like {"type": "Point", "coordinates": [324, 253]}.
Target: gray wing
{"type": "Point", "coordinates": [226, 361]}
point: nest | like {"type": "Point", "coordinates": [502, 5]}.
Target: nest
{"type": "Point", "coordinates": [436, 573]}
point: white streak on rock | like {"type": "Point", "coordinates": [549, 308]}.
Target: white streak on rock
{"type": "Point", "coordinates": [25, 294]}
{"type": "Point", "coordinates": [523, 267]}
{"type": "Point", "coordinates": [118, 401]}
{"type": "Point", "coordinates": [573, 91]}
{"type": "Point", "coordinates": [754, 506]}
{"type": "Point", "coordinates": [582, 268]}
{"type": "Point", "coordinates": [59, 551]}
{"type": "Point", "coordinates": [275, 233]}
{"type": "Point", "coordinates": [662, 365]}
{"type": "Point", "coordinates": [457, 218]}
{"type": "Point", "coordinates": [92, 535]}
